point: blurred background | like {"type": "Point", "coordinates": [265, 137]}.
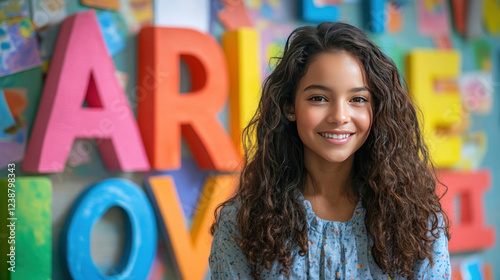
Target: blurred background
{"type": "Point", "coordinates": [448, 52]}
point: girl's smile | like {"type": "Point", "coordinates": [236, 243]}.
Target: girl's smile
{"type": "Point", "coordinates": [337, 137]}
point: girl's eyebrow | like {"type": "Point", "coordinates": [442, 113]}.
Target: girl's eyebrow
{"type": "Point", "coordinates": [358, 89]}
{"type": "Point", "coordinates": [320, 87]}
{"type": "Point", "coordinates": [324, 88]}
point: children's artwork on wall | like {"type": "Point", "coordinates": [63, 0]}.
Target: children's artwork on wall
{"type": "Point", "coordinates": [476, 89]}
{"type": "Point", "coordinates": [13, 9]}
{"type": "Point", "coordinates": [6, 119]}
{"type": "Point", "coordinates": [30, 227]}
{"type": "Point", "coordinates": [47, 12]}
{"type": "Point", "coordinates": [18, 46]}
{"type": "Point", "coordinates": [443, 42]}
{"type": "Point", "coordinates": [269, 10]}
{"type": "Point", "coordinates": [215, 25]}
{"type": "Point", "coordinates": [433, 17]}
{"type": "Point", "coordinates": [271, 36]}
{"type": "Point", "coordinates": [33, 89]}
{"type": "Point", "coordinates": [272, 51]}
{"type": "Point", "coordinates": [136, 13]}
{"type": "Point", "coordinates": [233, 14]}
{"type": "Point", "coordinates": [394, 17]}
{"type": "Point", "coordinates": [311, 11]}
{"type": "Point", "coordinates": [17, 102]}
{"type": "Point", "coordinates": [47, 39]}
{"type": "Point", "coordinates": [473, 151]}
{"type": "Point", "coordinates": [13, 133]}
{"type": "Point", "coordinates": [472, 267]}
{"type": "Point", "coordinates": [102, 4]}
{"type": "Point", "coordinates": [482, 55]}
{"type": "Point", "coordinates": [114, 40]}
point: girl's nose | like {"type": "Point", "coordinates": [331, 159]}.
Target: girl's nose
{"type": "Point", "coordinates": [338, 113]}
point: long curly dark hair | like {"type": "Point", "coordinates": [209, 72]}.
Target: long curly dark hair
{"type": "Point", "coordinates": [392, 171]}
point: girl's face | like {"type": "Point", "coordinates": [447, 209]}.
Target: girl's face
{"type": "Point", "coordinates": [333, 108]}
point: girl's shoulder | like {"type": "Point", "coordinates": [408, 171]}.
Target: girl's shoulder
{"type": "Point", "coordinates": [227, 215]}
{"type": "Point", "coordinates": [229, 210]}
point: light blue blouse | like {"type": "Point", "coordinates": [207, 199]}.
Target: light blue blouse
{"type": "Point", "coordinates": [337, 250]}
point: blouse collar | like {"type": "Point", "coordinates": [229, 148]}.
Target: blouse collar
{"type": "Point", "coordinates": [318, 224]}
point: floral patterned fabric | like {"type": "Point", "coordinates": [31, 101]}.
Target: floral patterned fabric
{"type": "Point", "coordinates": [337, 250]}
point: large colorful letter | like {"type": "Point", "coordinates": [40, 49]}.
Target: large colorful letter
{"type": "Point", "coordinates": [241, 48]}
{"type": "Point", "coordinates": [140, 245]}
{"type": "Point", "coordinates": [163, 112]}
{"type": "Point", "coordinates": [440, 110]}
{"type": "Point", "coordinates": [469, 232]}
{"type": "Point", "coordinates": [81, 69]}
{"type": "Point", "coordinates": [190, 248]}
{"type": "Point", "coordinates": [26, 241]}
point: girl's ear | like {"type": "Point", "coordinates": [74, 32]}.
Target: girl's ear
{"type": "Point", "coordinates": [290, 113]}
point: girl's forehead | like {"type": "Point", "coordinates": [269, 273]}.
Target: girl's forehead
{"type": "Point", "coordinates": [335, 68]}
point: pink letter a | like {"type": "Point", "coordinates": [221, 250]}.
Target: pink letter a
{"type": "Point", "coordinates": [81, 69]}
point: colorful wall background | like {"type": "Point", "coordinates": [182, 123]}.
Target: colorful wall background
{"type": "Point", "coordinates": [96, 181]}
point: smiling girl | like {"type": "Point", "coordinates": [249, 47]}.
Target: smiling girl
{"type": "Point", "coordinates": [339, 184]}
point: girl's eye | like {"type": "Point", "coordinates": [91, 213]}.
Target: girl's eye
{"type": "Point", "coordinates": [359, 99]}
{"type": "Point", "coordinates": [318, 99]}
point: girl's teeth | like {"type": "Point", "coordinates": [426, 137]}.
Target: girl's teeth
{"type": "Point", "coordinates": [335, 136]}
